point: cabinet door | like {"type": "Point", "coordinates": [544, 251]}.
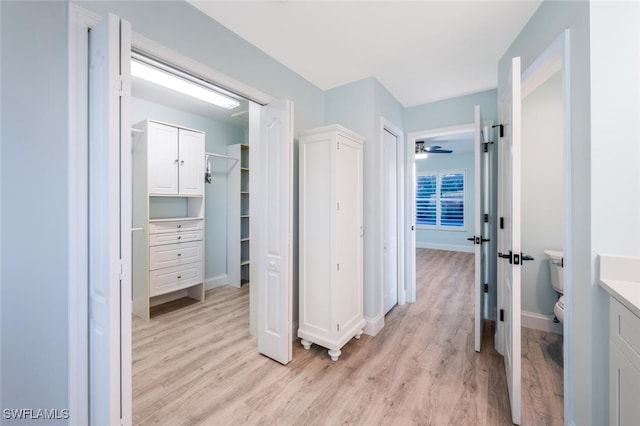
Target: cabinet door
{"type": "Point", "coordinates": [348, 231]}
{"type": "Point", "coordinates": [191, 170]}
{"type": "Point", "coordinates": [163, 158]}
{"type": "Point", "coordinates": [624, 388]}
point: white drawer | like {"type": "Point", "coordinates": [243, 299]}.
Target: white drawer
{"type": "Point", "coordinates": [164, 256]}
{"type": "Point", "coordinates": [625, 331]}
{"type": "Point", "coordinates": [165, 280]}
{"type": "Point", "coordinates": [175, 237]}
{"type": "Point", "coordinates": [177, 226]}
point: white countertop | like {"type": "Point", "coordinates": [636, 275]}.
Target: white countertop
{"type": "Point", "coordinates": [620, 277]}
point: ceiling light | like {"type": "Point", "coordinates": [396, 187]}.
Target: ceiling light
{"type": "Point", "coordinates": [173, 82]}
{"type": "Point", "coordinates": [421, 153]}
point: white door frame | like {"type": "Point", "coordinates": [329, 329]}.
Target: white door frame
{"type": "Point", "coordinates": [410, 204]}
{"type": "Point", "coordinates": [387, 125]}
{"type": "Point", "coordinates": [556, 57]}
{"type": "Point", "coordinates": [80, 22]}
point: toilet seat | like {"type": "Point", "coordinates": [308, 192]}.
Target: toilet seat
{"type": "Point", "coordinates": [558, 309]}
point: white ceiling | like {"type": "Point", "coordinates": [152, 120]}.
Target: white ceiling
{"type": "Point", "coordinates": [421, 51]}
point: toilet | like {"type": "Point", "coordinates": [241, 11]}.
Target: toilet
{"type": "Point", "coordinates": [556, 263]}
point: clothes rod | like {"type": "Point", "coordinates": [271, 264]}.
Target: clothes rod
{"type": "Point", "coordinates": [212, 154]}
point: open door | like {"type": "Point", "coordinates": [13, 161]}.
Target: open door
{"type": "Point", "coordinates": [479, 236]}
{"type": "Point", "coordinates": [273, 181]}
{"type": "Point", "coordinates": [109, 223]}
{"type": "Point", "coordinates": [391, 233]}
{"type": "Point", "coordinates": [510, 246]}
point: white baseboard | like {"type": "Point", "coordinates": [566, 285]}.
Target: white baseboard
{"type": "Point", "coordinates": [374, 325]}
{"type": "Point", "coordinates": [217, 281]}
{"type": "Point", "coordinates": [541, 322]}
{"type": "Point", "coordinates": [449, 247]}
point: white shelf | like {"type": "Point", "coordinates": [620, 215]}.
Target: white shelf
{"type": "Point", "coordinates": [238, 216]}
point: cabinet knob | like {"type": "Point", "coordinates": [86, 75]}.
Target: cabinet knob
{"type": "Point", "coordinates": [177, 161]}
{"type": "Point", "coordinates": [179, 237]}
{"type": "Point", "coordinates": [182, 162]}
{"type": "Point", "coordinates": [179, 254]}
{"type": "Point", "coordinates": [179, 226]}
{"type": "Point", "coordinates": [179, 276]}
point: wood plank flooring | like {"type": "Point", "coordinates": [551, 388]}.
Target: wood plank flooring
{"type": "Point", "coordinates": [197, 364]}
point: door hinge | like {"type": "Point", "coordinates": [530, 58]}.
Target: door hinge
{"type": "Point", "coordinates": [338, 146]}
{"type": "Point", "coordinates": [502, 315]}
{"type": "Point", "coordinates": [486, 146]}
{"type": "Point", "coordinates": [124, 89]}
{"type": "Point", "coordinates": [486, 288]}
{"type": "Point", "coordinates": [337, 266]}
{"type": "Point", "coordinates": [485, 218]}
{"type": "Point", "coordinates": [338, 327]}
{"type": "Point", "coordinates": [124, 269]}
{"type": "Point", "coordinates": [337, 206]}
{"type": "Point", "coordinates": [502, 223]}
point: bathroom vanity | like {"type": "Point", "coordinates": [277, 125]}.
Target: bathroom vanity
{"type": "Point", "coordinates": [620, 277]}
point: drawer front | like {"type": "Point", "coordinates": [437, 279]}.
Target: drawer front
{"type": "Point", "coordinates": [174, 238]}
{"type": "Point", "coordinates": [164, 256]}
{"type": "Point", "coordinates": [177, 226]}
{"type": "Point", "coordinates": [625, 331]}
{"type": "Point", "coordinates": [165, 280]}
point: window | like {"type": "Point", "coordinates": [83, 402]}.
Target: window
{"type": "Point", "coordinates": [440, 199]}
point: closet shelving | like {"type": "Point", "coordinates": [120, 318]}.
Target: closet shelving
{"type": "Point", "coordinates": [238, 261]}
{"type": "Point", "coordinates": [168, 210]}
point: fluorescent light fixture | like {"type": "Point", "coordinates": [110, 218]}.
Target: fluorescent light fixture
{"type": "Point", "coordinates": [173, 82]}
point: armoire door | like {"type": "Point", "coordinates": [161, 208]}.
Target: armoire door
{"type": "Point", "coordinates": [163, 158]}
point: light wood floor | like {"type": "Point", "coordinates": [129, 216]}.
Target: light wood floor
{"type": "Point", "coordinates": [195, 363]}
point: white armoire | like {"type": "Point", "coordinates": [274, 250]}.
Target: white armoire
{"type": "Point", "coordinates": [330, 233]}
{"type": "Point", "coordinates": [168, 215]}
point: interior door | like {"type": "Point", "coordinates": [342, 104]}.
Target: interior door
{"type": "Point", "coordinates": [478, 234]}
{"type": "Point", "coordinates": [510, 248]}
{"type": "Point", "coordinates": [109, 223]}
{"type": "Point", "coordinates": [274, 182]}
{"type": "Point", "coordinates": [390, 220]}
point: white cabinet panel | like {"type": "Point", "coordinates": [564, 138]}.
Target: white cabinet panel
{"type": "Point", "coordinates": [331, 209]}
{"type": "Point", "coordinates": [163, 158]}
{"type": "Point", "coordinates": [624, 365]}
{"type": "Point", "coordinates": [191, 168]}
{"type": "Point", "coordinates": [176, 278]}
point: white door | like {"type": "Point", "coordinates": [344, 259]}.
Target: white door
{"type": "Point", "coordinates": [478, 225]}
{"type": "Point", "coordinates": [510, 247]}
{"type": "Point", "coordinates": [390, 220]}
{"type": "Point", "coordinates": [273, 181]}
{"type": "Point", "coordinates": [163, 170]}
{"type": "Point", "coordinates": [109, 223]}
{"type": "Point", "coordinates": [191, 167]}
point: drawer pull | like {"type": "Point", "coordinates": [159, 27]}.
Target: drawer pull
{"type": "Point", "coordinates": [179, 226]}
{"type": "Point", "coordinates": [179, 276]}
{"type": "Point", "coordinates": [179, 254]}
{"type": "Point", "coordinates": [179, 237]}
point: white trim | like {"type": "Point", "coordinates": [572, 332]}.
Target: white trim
{"type": "Point", "coordinates": [540, 322]}
{"type": "Point", "coordinates": [447, 247]}
{"type": "Point", "coordinates": [217, 281]}
{"type": "Point", "coordinates": [79, 23]}
{"type": "Point", "coordinates": [374, 325]}
{"type": "Point", "coordinates": [387, 125]}
{"type": "Point", "coordinates": [159, 52]}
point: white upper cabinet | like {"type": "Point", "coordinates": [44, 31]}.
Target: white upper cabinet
{"type": "Point", "coordinates": [176, 160]}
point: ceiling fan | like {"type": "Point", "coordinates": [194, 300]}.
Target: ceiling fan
{"type": "Point", "coordinates": [422, 151]}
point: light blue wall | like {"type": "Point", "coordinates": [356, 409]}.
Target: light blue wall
{"type": "Point", "coordinates": [360, 106]}
{"type": "Point", "coordinates": [217, 136]}
{"type": "Point", "coordinates": [34, 243]}
{"type": "Point", "coordinates": [446, 239]}
{"type": "Point", "coordinates": [585, 333]}
{"type": "Point", "coordinates": [542, 191]}
{"type": "Point", "coordinates": [451, 112]}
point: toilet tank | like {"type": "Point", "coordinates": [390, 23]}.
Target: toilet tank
{"type": "Point", "coordinates": [556, 264]}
